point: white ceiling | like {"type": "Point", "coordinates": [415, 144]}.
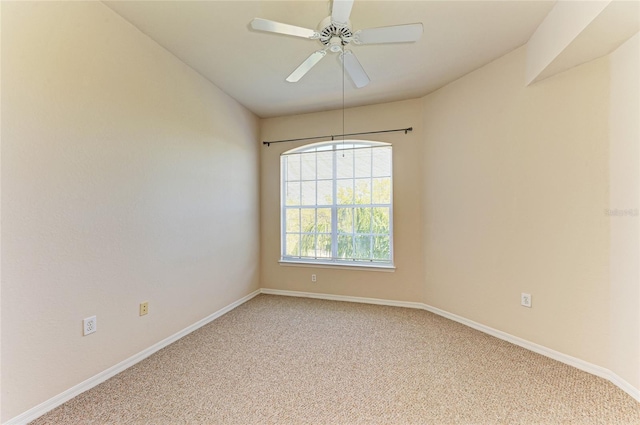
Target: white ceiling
{"type": "Point", "coordinates": [214, 38]}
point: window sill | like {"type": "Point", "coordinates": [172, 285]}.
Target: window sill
{"type": "Point", "coordinates": [343, 266]}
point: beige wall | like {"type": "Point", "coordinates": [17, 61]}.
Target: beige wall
{"type": "Point", "coordinates": [624, 171]}
{"type": "Point", "coordinates": [515, 188]}
{"type": "Point", "coordinates": [126, 177]}
{"type": "Point", "coordinates": [0, 215]}
{"type": "Point", "coordinates": [405, 283]}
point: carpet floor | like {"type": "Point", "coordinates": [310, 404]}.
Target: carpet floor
{"type": "Point", "coordinates": [283, 360]}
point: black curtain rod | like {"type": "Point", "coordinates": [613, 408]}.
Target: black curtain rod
{"type": "Point", "coordinates": [333, 136]}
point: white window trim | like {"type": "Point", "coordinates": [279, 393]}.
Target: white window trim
{"type": "Point", "coordinates": [338, 265]}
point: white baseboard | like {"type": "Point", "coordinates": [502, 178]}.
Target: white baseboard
{"type": "Point", "coordinates": [331, 297]}
{"type": "Point", "coordinates": [72, 392]}
{"type": "Point", "coordinates": [537, 348]}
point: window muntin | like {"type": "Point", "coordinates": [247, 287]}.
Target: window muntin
{"type": "Point", "coordinates": [337, 204]}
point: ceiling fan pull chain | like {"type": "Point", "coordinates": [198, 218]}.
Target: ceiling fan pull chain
{"type": "Point", "coordinates": [343, 76]}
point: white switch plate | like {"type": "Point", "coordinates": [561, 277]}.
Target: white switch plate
{"type": "Point", "coordinates": [525, 299]}
{"type": "Point", "coordinates": [90, 325]}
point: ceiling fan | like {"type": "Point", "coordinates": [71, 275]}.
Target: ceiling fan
{"type": "Point", "coordinates": [335, 34]}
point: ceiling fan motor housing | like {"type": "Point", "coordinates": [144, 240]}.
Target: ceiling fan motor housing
{"type": "Point", "coordinates": [334, 34]}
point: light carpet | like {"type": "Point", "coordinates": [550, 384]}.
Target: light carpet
{"type": "Point", "coordinates": [283, 360]}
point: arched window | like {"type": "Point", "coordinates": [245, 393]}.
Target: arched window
{"type": "Point", "coordinates": [336, 203]}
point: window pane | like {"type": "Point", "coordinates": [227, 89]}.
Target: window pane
{"type": "Point", "coordinates": [337, 202]}
{"type": "Point", "coordinates": [381, 221]}
{"type": "Point", "coordinates": [325, 192]}
{"type": "Point", "coordinates": [345, 192]}
{"type": "Point", "coordinates": [362, 221]}
{"type": "Point", "coordinates": [308, 246]}
{"type": "Point", "coordinates": [308, 166]}
{"type": "Point", "coordinates": [363, 162]}
{"type": "Point", "coordinates": [293, 194]}
{"type": "Point", "coordinates": [308, 193]}
{"type": "Point", "coordinates": [363, 191]}
{"type": "Point", "coordinates": [362, 247]}
{"type": "Point", "coordinates": [323, 246]}
{"type": "Point", "coordinates": [325, 165]}
{"type": "Point", "coordinates": [345, 246]}
{"type": "Point", "coordinates": [293, 220]}
{"type": "Point", "coordinates": [345, 220]}
{"type": "Point", "coordinates": [293, 167]}
{"type": "Point", "coordinates": [323, 224]}
{"type": "Point", "coordinates": [308, 217]}
{"type": "Point", "coordinates": [293, 245]}
{"type": "Point", "coordinates": [381, 191]}
{"type": "Point", "coordinates": [381, 162]}
{"type": "Point", "coordinates": [381, 248]}
{"type": "Point", "coordinates": [344, 164]}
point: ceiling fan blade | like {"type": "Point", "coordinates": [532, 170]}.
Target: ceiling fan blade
{"type": "Point", "coordinates": [393, 34]}
{"type": "Point", "coordinates": [340, 10]}
{"type": "Point", "coordinates": [354, 69]}
{"type": "Point", "coordinates": [305, 66]}
{"type": "Point", "coordinates": [280, 28]}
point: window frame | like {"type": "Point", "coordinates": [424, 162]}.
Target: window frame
{"type": "Point", "coordinates": [334, 262]}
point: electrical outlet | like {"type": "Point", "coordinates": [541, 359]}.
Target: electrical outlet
{"type": "Point", "coordinates": [313, 278]}
{"type": "Point", "coordinates": [90, 325]}
{"type": "Point", "coordinates": [144, 308]}
{"type": "Point", "coordinates": [525, 299]}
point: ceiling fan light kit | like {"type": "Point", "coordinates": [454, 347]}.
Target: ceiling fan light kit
{"type": "Point", "coordinates": [335, 33]}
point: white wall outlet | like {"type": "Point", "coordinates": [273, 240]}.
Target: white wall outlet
{"type": "Point", "coordinates": [313, 278]}
{"type": "Point", "coordinates": [144, 308]}
{"type": "Point", "coordinates": [525, 299]}
{"type": "Point", "coordinates": [90, 325]}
